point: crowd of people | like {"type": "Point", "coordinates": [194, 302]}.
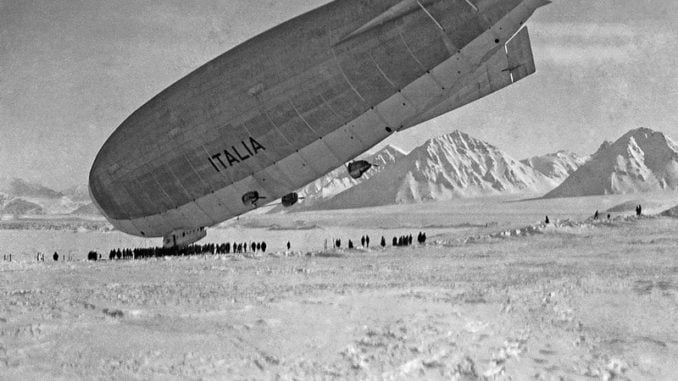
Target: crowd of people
{"type": "Point", "coordinates": [191, 250]}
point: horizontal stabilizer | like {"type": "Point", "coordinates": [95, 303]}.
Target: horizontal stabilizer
{"type": "Point", "coordinates": [520, 58]}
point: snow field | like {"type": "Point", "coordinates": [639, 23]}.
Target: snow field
{"type": "Point", "coordinates": [579, 300]}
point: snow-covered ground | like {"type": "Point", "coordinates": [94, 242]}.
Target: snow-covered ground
{"type": "Point", "coordinates": [518, 300]}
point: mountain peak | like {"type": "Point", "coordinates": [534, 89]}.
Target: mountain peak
{"type": "Point", "coordinates": [454, 165]}
{"type": "Point", "coordinates": [641, 160]}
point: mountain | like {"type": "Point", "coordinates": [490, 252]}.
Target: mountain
{"type": "Point", "coordinates": [19, 207]}
{"type": "Point", "coordinates": [18, 196]}
{"type": "Point", "coordinates": [451, 166]}
{"type": "Point", "coordinates": [77, 193]}
{"type": "Point", "coordinates": [557, 166]}
{"type": "Point", "coordinates": [339, 180]}
{"type": "Point", "coordinates": [14, 187]}
{"type": "Point", "coordinates": [640, 161]}
{"type": "Point", "coordinates": [87, 210]}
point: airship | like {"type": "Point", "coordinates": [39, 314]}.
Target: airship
{"type": "Point", "coordinates": [299, 100]}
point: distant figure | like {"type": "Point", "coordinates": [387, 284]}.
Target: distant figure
{"type": "Point", "coordinates": [288, 245]}
{"type": "Point", "coordinates": [362, 241]}
{"type": "Point", "coordinates": [383, 241]}
{"type": "Point", "coordinates": [350, 244]}
{"type": "Point", "coordinates": [547, 221]}
{"type": "Point", "coordinates": [595, 215]}
{"type": "Point", "coordinates": [91, 256]}
{"type": "Point", "coordinates": [608, 216]}
{"type": "Point", "coordinates": [263, 247]}
{"type": "Point", "coordinates": [337, 243]}
{"type": "Point", "coordinates": [367, 240]}
{"type": "Point", "coordinates": [254, 247]}
{"type": "Point", "coordinates": [639, 210]}
{"type": "Point", "coordinates": [55, 256]}
{"type": "Point", "coordinates": [258, 246]}
{"type": "Point", "coordinates": [395, 241]}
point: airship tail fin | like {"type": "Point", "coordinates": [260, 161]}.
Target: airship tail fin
{"type": "Point", "coordinates": [520, 57]}
{"type": "Point", "coordinates": [507, 66]}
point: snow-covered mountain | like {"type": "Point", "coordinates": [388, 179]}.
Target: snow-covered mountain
{"type": "Point", "coordinates": [77, 193]}
{"type": "Point", "coordinates": [642, 160]}
{"type": "Point", "coordinates": [339, 180]}
{"type": "Point", "coordinates": [86, 210]}
{"type": "Point", "coordinates": [20, 197]}
{"type": "Point", "coordinates": [557, 166]}
{"type": "Point", "coordinates": [15, 187]}
{"type": "Point", "coordinates": [20, 207]}
{"type": "Point", "coordinates": [451, 166]}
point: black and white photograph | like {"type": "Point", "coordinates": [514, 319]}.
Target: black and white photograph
{"type": "Point", "coordinates": [339, 190]}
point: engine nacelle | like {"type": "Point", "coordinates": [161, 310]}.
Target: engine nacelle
{"type": "Point", "coordinates": [183, 238]}
{"type": "Point", "coordinates": [357, 169]}
{"type": "Point", "coordinates": [290, 199]}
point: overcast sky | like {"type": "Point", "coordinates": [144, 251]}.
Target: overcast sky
{"type": "Point", "coordinates": [72, 70]}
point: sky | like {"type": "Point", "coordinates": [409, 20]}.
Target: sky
{"type": "Point", "coordinates": [72, 70]}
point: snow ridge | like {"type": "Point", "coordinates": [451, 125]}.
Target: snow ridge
{"type": "Point", "coordinates": [557, 166]}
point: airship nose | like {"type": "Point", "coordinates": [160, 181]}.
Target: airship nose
{"type": "Point", "coordinates": [104, 190]}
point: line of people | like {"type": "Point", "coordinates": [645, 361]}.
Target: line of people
{"type": "Point", "coordinates": [404, 240]}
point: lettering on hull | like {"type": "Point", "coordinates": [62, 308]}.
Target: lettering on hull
{"type": "Point", "coordinates": [238, 153]}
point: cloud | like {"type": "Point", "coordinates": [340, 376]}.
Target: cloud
{"type": "Point", "coordinates": [591, 54]}
{"type": "Point", "coordinates": [586, 44]}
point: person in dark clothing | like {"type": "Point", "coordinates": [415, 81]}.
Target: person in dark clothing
{"type": "Point", "coordinates": [254, 247]}
{"type": "Point", "coordinates": [288, 245]}
{"type": "Point", "coordinates": [350, 244]}
{"type": "Point", "coordinates": [263, 247]}
{"type": "Point", "coordinates": [55, 256]}
{"type": "Point", "coordinates": [337, 243]}
{"type": "Point", "coordinates": [362, 241]}
{"type": "Point", "coordinates": [367, 240]}
{"type": "Point", "coordinates": [595, 215]}
{"type": "Point", "coordinates": [547, 221]}
{"type": "Point", "coordinates": [383, 241]}
{"type": "Point", "coordinates": [395, 241]}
